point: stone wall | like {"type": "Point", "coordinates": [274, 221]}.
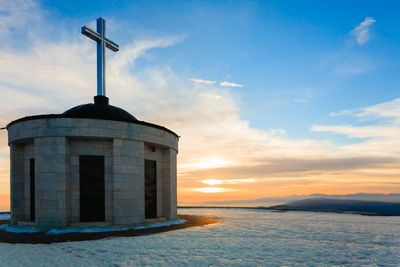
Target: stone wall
{"type": "Point", "coordinates": [128, 170]}
{"type": "Point", "coordinates": [51, 178]}
{"type": "Point", "coordinates": [56, 145]}
{"type": "Point", "coordinates": [17, 184]}
{"type": "Point", "coordinates": [169, 192]}
{"type": "Point", "coordinates": [72, 127]}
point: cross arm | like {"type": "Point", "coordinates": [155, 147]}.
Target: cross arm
{"type": "Point", "coordinates": [111, 45]}
{"type": "Point", "coordinates": [92, 34]}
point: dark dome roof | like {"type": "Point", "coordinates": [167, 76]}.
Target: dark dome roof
{"type": "Point", "coordinates": [100, 110]}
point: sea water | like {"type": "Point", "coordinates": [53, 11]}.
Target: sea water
{"type": "Point", "coordinates": [243, 237]}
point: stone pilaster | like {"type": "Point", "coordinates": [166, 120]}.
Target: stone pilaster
{"type": "Point", "coordinates": [17, 185]}
{"type": "Point", "coordinates": [51, 181]}
{"type": "Point", "coordinates": [128, 171]}
{"type": "Point", "coordinates": [169, 183]}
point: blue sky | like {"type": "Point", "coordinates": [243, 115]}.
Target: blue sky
{"type": "Point", "coordinates": [245, 83]}
{"type": "Point", "coordinates": [298, 61]}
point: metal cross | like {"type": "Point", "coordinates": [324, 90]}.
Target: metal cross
{"type": "Point", "coordinates": [102, 42]}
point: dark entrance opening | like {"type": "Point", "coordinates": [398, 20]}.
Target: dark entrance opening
{"type": "Point", "coordinates": [150, 188]}
{"type": "Point", "coordinates": [91, 186]}
{"type": "Point", "coordinates": [32, 187]}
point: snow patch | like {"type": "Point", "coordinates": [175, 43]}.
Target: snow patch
{"type": "Point", "coordinates": [16, 229]}
{"type": "Point", "coordinates": [160, 224]}
{"type": "Point", "coordinates": [83, 230]}
{"type": "Point", "coordinates": [4, 216]}
{"type": "Point", "coordinates": [111, 229]}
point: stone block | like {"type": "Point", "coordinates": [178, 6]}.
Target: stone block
{"type": "Point", "coordinates": [61, 149]}
{"type": "Point", "coordinates": [61, 195]}
{"type": "Point", "coordinates": [49, 195]}
{"type": "Point", "coordinates": [80, 123]}
{"type": "Point", "coordinates": [49, 205]}
{"type": "Point", "coordinates": [128, 168]}
{"type": "Point", "coordinates": [106, 133]}
{"type": "Point", "coordinates": [97, 124]}
{"type": "Point", "coordinates": [75, 195]}
{"type": "Point", "coordinates": [61, 177]}
{"type": "Point", "coordinates": [118, 142]}
{"type": "Point", "coordinates": [93, 132]}
{"type": "Point", "coordinates": [116, 125]}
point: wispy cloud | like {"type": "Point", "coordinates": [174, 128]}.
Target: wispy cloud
{"type": "Point", "coordinates": [139, 48]}
{"type": "Point", "coordinates": [229, 181]}
{"type": "Point", "coordinates": [351, 67]}
{"type": "Point", "coordinates": [229, 84]}
{"type": "Point", "coordinates": [342, 113]}
{"type": "Point", "coordinates": [361, 32]}
{"type": "Point", "coordinates": [292, 168]}
{"type": "Point", "coordinates": [224, 83]}
{"type": "Point", "coordinates": [360, 131]}
{"type": "Point", "coordinates": [347, 64]}
{"type": "Point", "coordinates": [202, 81]}
{"type": "Point", "coordinates": [381, 137]}
{"type": "Point", "coordinates": [14, 15]}
{"type": "Point", "coordinates": [350, 61]}
{"type": "Point", "coordinates": [389, 109]}
{"type": "Point", "coordinates": [301, 100]}
{"type": "Point", "coordinates": [305, 95]}
{"type": "Point", "coordinates": [214, 190]}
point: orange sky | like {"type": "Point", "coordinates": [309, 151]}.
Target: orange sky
{"type": "Point", "coordinates": [251, 182]}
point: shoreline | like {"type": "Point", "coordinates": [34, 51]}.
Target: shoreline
{"type": "Point", "coordinates": [43, 238]}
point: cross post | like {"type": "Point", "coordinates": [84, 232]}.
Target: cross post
{"type": "Point", "coordinates": [102, 43]}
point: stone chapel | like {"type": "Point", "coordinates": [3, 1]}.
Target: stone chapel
{"type": "Point", "coordinates": [94, 164]}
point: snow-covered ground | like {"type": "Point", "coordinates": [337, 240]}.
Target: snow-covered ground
{"type": "Point", "coordinates": [18, 229]}
{"type": "Point", "coordinates": [4, 216]}
{"type": "Point", "coordinates": [244, 237]}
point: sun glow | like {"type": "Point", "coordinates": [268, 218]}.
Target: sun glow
{"type": "Point", "coordinates": [213, 189]}
{"type": "Point", "coordinates": [212, 182]}
{"type": "Point", "coordinates": [207, 163]}
{"type": "Point", "coordinates": [231, 181]}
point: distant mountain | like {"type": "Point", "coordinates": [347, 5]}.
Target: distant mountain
{"type": "Point", "coordinates": [346, 206]}
{"type": "Point", "coordinates": [268, 201]}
